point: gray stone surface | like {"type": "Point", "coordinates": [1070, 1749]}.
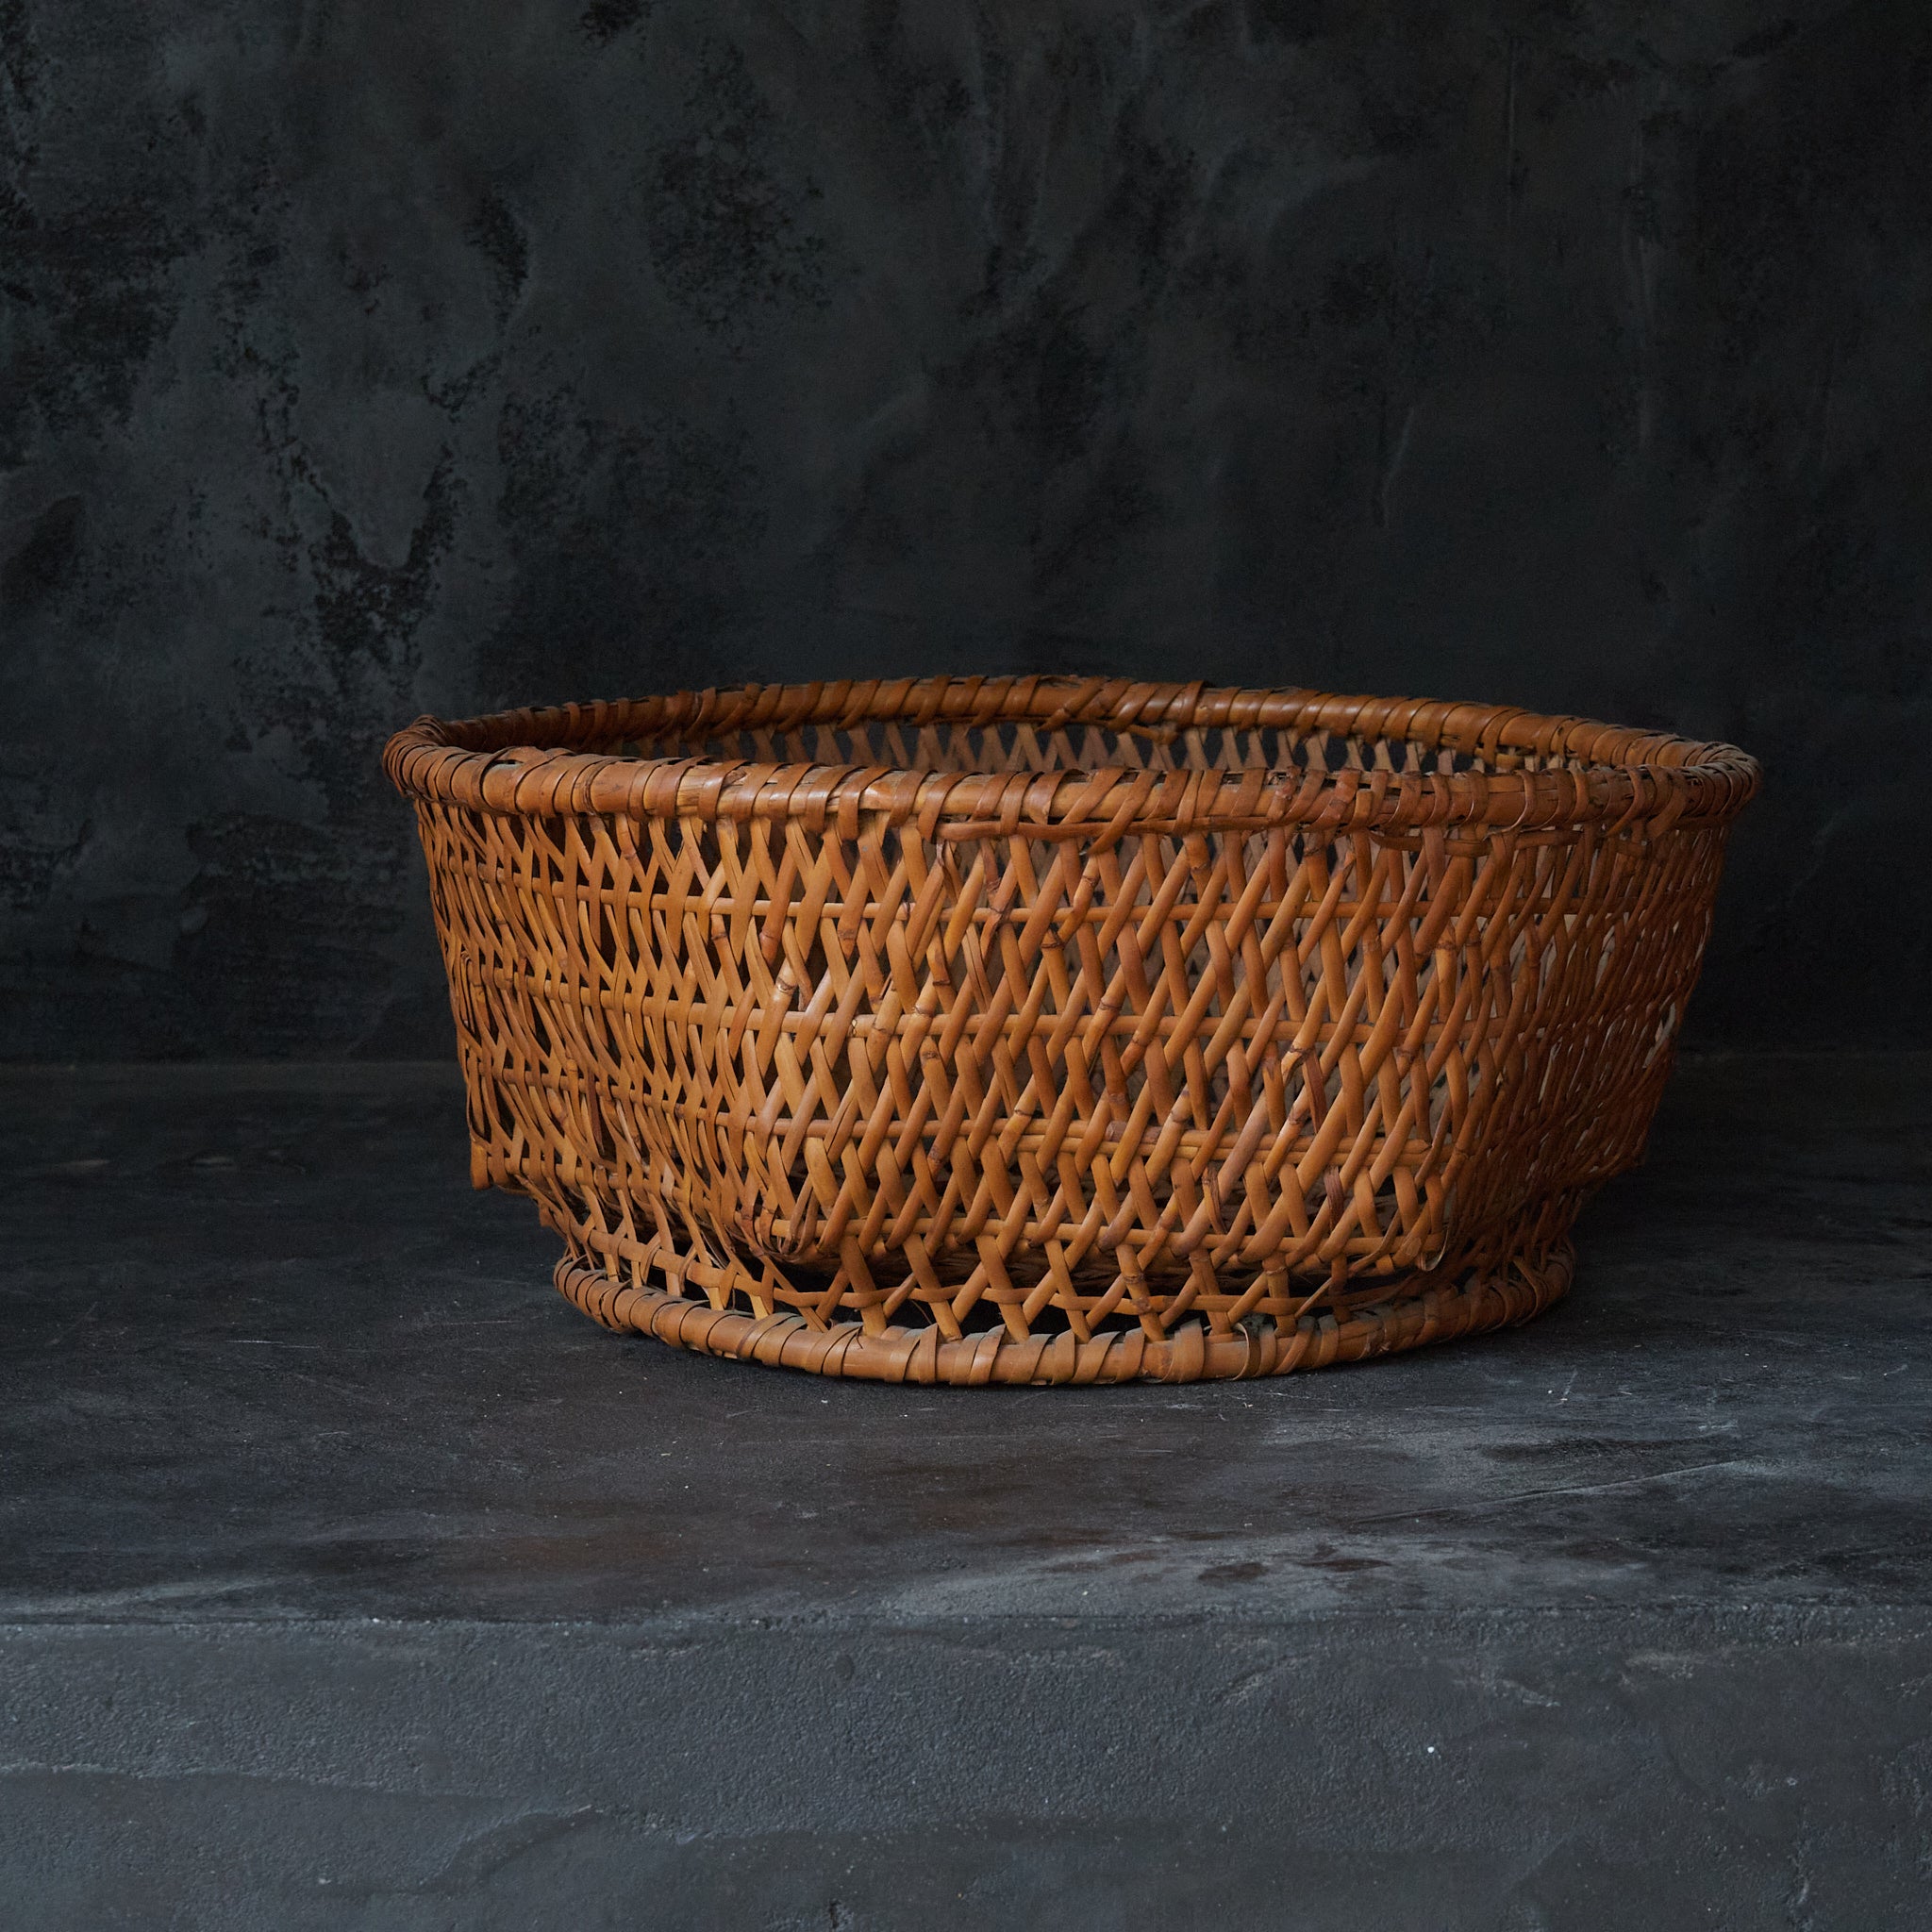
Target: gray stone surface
{"type": "Point", "coordinates": [358, 359]}
{"type": "Point", "coordinates": [349, 1579]}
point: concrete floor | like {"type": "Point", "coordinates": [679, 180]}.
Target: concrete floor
{"type": "Point", "coordinates": [349, 1579]}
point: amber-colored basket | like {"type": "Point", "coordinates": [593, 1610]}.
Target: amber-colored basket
{"type": "Point", "coordinates": [1041, 1031]}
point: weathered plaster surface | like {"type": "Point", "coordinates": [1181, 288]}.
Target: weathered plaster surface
{"type": "Point", "coordinates": [357, 359]}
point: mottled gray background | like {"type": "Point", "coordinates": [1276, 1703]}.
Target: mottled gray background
{"type": "Point", "coordinates": [364, 357]}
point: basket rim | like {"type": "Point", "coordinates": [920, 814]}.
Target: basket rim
{"type": "Point", "coordinates": [531, 763]}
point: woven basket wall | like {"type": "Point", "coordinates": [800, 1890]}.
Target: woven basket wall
{"type": "Point", "coordinates": [1042, 1030]}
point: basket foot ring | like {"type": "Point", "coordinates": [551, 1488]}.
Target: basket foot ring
{"type": "Point", "coordinates": [1191, 1352]}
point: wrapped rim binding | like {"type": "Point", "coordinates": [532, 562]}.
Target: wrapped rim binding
{"type": "Point", "coordinates": [1038, 1029]}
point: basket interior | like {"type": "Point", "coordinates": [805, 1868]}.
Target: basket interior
{"type": "Point", "coordinates": [1004, 746]}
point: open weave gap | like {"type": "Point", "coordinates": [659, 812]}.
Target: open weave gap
{"type": "Point", "coordinates": [1003, 1010]}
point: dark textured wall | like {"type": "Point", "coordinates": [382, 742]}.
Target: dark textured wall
{"type": "Point", "coordinates": [363, 358]}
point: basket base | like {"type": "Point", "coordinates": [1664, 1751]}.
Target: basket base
{"type": "Point", "coordinates": [1189, 1354]}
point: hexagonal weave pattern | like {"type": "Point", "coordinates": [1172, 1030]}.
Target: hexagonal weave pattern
{"type": "Point", "coordinates": [1038, 1029]}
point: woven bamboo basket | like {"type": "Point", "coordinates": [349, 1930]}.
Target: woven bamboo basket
{"type": "Point", "coordinates": [1039, 1030]}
